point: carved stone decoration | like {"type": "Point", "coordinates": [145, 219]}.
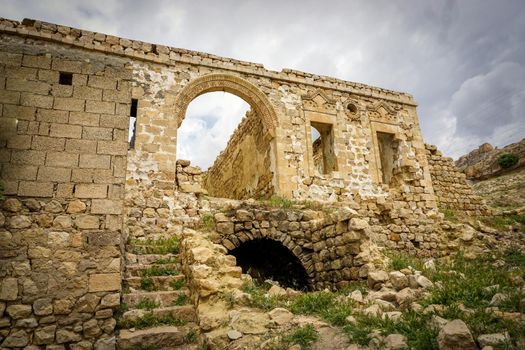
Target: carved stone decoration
{"type": "Point", "coordinates": [382, 111]}
{"type": "Point", "coordinates": [352, 109]}
{"type": "Point", "coordinates": [232, 84]}
{"type": "Point", "coordinates": [319, 101]}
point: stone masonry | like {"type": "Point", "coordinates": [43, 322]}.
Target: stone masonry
{"type": "Point", "coordinates": [76, 190]}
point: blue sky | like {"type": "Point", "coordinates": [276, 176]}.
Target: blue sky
{"type": "Point", "coordinates": [464, 61]}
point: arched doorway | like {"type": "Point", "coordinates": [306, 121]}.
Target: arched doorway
{"type": "Point", "coordinates": [269, 259]}
{"type": "Point", "coordinates": [247, 168]}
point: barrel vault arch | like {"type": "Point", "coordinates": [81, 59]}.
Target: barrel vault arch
{"type": "Point", "coordinates": [233, 241]}
{"type": "Point", "coordinates": [234, 85]}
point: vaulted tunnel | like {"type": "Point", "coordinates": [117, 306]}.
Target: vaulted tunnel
{"type": "Point", "coordinates": [268, 259]}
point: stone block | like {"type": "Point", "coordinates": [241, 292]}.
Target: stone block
{"type": "Point", "coordinates": [91, 191]}
{"type": "Point", "coordinates": [102, 82]}
{"type": "Point", "coordinates": [52, 174]}
{"type": "Point", "coordinates": [8, 289]}
{"type": "Point", "coordinates": [66, 65]}
{"type": "Point", "coordinates": [87, 93]}
{"type": "Point", "coordinates": [87, 222]}
{"type": "Point", "coordinates": [66, 130]}
{"type": "Point", "coordinates": [31, 157]}
{"type": "Point", "coordinates": [44, 143]}
{"type": "Point", "coordinates": [12, 97]}
{"type": "Point", "coordinates": [81, 146]}
{"type": "Point", "coordinates": [104, 282]}
{"type": "Point", "coordinates": [103, 238]}
{"type": "Point", "coordinates": [69, 104]}
{"type": "Point", "coordinates": [97, 133]}
{"type": "Point", "coordinates": [19, 172]}
{"type": "Point", "coordinates": [52, 116]}
{"type": "Point", "coordinates": [36, 61]}
{"type": "Point", "coordinates": [35, 189]}
{"type": "Point", "coordinates": [114, 121]}
{"type": "Point", "coordinates": [19, 112]}
{"type": "Point", "coordinates": [62, 159]}
{"type": "Point", "coordinates": [100, 107]}
{"type": "Point", "coordinates": [19, 142]}
{"type": "Point", "coordinates": [106, 206]}
{"type": "Point", "coordinates": [83, 118]}
{"type": "Point", "coordinates": [95, 161]}
{"type": "Point", "coordinates": [112, 147]}
{"type": "Point", "coordinates": [33, 100]}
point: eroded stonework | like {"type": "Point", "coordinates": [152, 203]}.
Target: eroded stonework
{"type": "Point", "coordinates": [77, 194]}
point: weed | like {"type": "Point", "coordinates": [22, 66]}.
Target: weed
{"type": "Point", "coordinates": [191, 337]}
{"type": "Point", "coordinates": [121, 309]}
{"type": "Point", "coordinates": [278, 202]}
{"type": "Point", "coordinates": [450, 214]}
{"type": "Point", "coordinates": [400, 261]}
{"type": "Point", "coordinates": [177, 284]}
{"type": "Point", "coordinates": [207, 222]}
{"type": "Point", "coordinates": [229, 298]}
{"type": "Point", "coordinates": [147, 304]}
{"type": "Point", "coordinates": [159, 271]}
{"type": "Point", "coordinates": [181, 300]}
{"type": "Point", "coordinates": [150, 320]}
{"type": "Point", "coordinates": [160, 246]}
{"type": "Point", "coordinates": [164, 261]}
{"type": "Point", "coordinates": [302, 336]}
{"type": "Point", "coordinates": [146, 283]}
{"type": "Point", "coordinates": [323, 304]}
{"type": "Point", "coordinates": [259, 298]}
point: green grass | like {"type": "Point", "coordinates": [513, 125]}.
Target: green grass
{"type": "Point", "coordinates": [150, 320]}
{"type": "Point", "coordinates": [462, 281]}
{"type": "Point", "coordinates": [450, 214]}
{"type": "Point", "coordinates": [303, 336]}
{"type": "Point", "coordinates": [399, 261]}
{"type": "Point", "coordinates": [178, 284]}
{"type": "Point", "coordinates": [323, 304]}
{"type": "Point", "coordinates": [159, 271]}
{"type": "Point", "coordinates": [207, 222]}
{"type": "Point", "coordinates": [502, 222]}
{"type": "Point", "coordinates": [147, 304]}
{"type": "Point", "coordinates": [191, 337]}
{"type": "Point", "coordinates": [164, 261]}
{"type": "Point", "coordinates": [278, 202]}
{"type": "Point", "coordinates": [258, 297]}
{"type": "Point", "coordinates": [146, 283]}
{"type": "Point", "coordinates": [160, 246]}
{"type": "Point", "coordinates": [181, 300]}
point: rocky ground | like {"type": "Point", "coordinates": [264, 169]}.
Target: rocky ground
{"type": "Point", "coordinates": [505, 192]}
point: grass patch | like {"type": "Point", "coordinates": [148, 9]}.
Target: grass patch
{"type": "Point", "coordinates": [181, 300]}
{"type": "Point", "coordinates": [164, 261]}
{"type": "Point", "coordinates": [258, 297]}
{"type": "Point", "coordinates": [399, 261]}
{"type": "Point", "coordinates": [150, 320]}
{"type": "Point", "coordinates": [207, 222]}
{"type": "Point", "coordinates": [178, 284]}
{"type": "Point", "coordinates": [191, 337]}
{"type": "Point", "coordinates": [449, 214]}
{"type": "Point", "coordinates": [147, 304]}
{"type": "Point", "coordinates": [159, 246]}
{"type": "Point", "coordinates": [278, 202]}
{"type": "Point", "coordinates": [303, 336]}
{"type": "Point", "coordinates": [159, 271]}
{"type": "Point", "coordinates": [327, 305]}
{"type": "Point", "coordinates": [146, 283]}
{"type": "Point", "coordinates": [502, 222]}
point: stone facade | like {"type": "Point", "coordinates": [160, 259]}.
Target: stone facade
{"type": "Point", "coordinates": [77, 193]}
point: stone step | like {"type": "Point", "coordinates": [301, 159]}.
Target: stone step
{"type": "Point", "coordinates": [158, 338]}
{"type": "Point", "coordinates": [163, 298]}
{"type": "Point", "coordinates": [145, 259]}
{"type": "Point", "coordinates": [157, 282]}
{"type": "Point", "coordinates": [185, 313]}
{"type": "Point", "coordinates": [138, 270]}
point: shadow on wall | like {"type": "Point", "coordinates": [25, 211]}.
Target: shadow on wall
{"type": "Point", "coordinates": [268, 259]}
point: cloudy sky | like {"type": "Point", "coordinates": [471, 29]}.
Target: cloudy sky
{"type": "Point", "coordinates": [464, 60]}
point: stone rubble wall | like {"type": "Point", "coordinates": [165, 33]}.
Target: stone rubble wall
{"type": "Point", "coordinates": [63, 155]}
{"type": "Point", "coordinates": [451, 187]}
{"type": "Point", "coordinates": [244, 169]}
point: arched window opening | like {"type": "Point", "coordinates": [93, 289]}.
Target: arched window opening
{"type": "Point", "coordinates": [265, 259]}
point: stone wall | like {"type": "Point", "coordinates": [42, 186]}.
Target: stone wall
{"type": "Point", "coordinates": [451, 187]}
{"type": "Point", "coordinates": [244, 169]}
{"type": "Point", "coordinates": [62, 160]}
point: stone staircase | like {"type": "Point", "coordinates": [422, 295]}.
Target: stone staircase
{"type": "Point", "coordinates": [156, 312]}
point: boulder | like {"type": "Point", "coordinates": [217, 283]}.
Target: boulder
{"type": "Point", "coordinates": [395, 341]}
{"type": "Point", "coordinates": [495, 339]}
{"type": "Point", "coordinates": [376, 278]}
{"type": "Point", "coordinates": [398, 279]}
{"type": "Point", "coordinates": [456, 335]}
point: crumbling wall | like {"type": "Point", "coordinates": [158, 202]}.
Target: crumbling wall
{"type": "Point", "coordinates": [451, 187]}
{"type": "Point", "coordinates": [244, 168]}
{"type": "Point", "coordinates": [62, 160]}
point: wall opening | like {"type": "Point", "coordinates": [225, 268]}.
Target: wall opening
{"type": "Point", "coordinates": [323, 148]}
{"type": "Point", "coordinates": [65, 78]}
{"type": "Point", "coordinates": [265, 259]}
{"type": "Point", "coordinates": [132, 123]}
{"type": "Point", "coordinates": [387, 155]}
{"type": "Point", "coordinates": [224, 136]}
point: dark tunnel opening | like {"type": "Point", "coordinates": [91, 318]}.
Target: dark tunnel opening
{"type": "Point", "coordinates": [268, 259]}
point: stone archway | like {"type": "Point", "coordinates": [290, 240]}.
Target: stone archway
{"type": "Point", "coordinates": [234, 85]}
{"type": "Point", "coordinates": [235, 241]}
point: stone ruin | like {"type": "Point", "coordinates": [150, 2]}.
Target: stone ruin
{"type": "Point", "coordinates": [77, 191]}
